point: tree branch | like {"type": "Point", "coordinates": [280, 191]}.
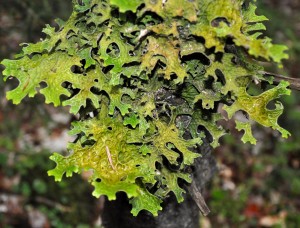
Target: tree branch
{"type": "Point", "coordinates": [294, 82]}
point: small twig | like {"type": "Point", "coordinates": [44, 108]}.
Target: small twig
{"type": "Point", "coordinates": [198, 198]}
{"type": "Point", "coordinates": [294, 82]}
{"type": "Point", "coordinates": [143, 33]}
{"type": "Point", "coordinates": [109, 158]}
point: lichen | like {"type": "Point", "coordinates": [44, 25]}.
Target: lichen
{"type": "Point", "coordinates": [155, 74]}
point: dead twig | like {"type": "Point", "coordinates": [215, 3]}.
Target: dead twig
{"type": "Point", "coordinates": [294, 82]}
{"type": "Point", "coordinates": [109, 158]}
{"type": "Point", "coordinates": [198, 198]}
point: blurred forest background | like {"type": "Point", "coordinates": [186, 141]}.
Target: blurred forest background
{"type": "Point", "coordinates": [256, 186]}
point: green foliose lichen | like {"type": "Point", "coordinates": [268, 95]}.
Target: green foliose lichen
{"type": "Point", "coordinates": [155, 74]}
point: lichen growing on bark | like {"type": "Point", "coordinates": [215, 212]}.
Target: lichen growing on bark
{"type": "Point", "coordinates": [142, 67]}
